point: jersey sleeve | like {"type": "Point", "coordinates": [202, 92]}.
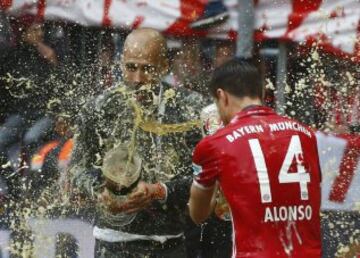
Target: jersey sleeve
{"type": "Point", "coordinates": [205, 165]}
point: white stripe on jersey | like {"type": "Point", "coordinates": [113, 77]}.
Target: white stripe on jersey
{"type": "Point", "coordinates": [233, 235]}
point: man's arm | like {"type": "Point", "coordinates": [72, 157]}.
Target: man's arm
{"type": "Point", "coordinates": [175, 193]}
{"type": "Point", "coordinates": [188, 105]}
{"type": "Point", "coordinates": [178, 191]}
{"type": "Point", "coordinates": [202, 202]}
{"type": "Point", "coordinates": [35, 37]}
{"type": "Point", "coordinates": [178, 188]}
{"type": "Point", "coordinates": [84, 176]}
{"type": "Point", "coordinates": [204, 187]}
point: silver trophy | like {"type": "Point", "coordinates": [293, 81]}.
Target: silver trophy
{"type": "Point", "coordinates": [122, 172]}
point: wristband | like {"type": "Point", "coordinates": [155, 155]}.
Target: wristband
{"type": "Point", "coordinates": [159, 192]}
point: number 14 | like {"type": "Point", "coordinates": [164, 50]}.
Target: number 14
{"type": "Point", "coordinates": [301, 177]}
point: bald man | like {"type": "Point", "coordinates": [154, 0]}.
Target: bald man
{"type": "Point", "coordinates": [144, 58]}
{"type": "Point", "coordinates": [141, 113]}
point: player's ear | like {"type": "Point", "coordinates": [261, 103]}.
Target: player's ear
{"type": "Point", "coordinates": [223, 96]}
{"type": "Point", "coordinates": [220, 94]}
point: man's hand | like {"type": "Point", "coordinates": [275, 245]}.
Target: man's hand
{"type": "Point", "coordinates": [143, 196]}
{"type": "Point", "coordinates": [113, 205]}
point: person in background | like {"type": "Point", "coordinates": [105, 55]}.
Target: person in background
{"type": "Point", "coordinates": [256, 158]}
{"type": "Point", "coordinates": [5, 36]}
{"type": "Point", "coordinates": [34, 36]}
{"type": "Point", "coordinates": [49, 160]}
{"type": "Point", "coordinates": [224, 51]}
{"type": "Point", "coordinates": [188, 69]}
{"type": "Point", "coordinates": [24, 77]}
{"type": "Point", "coordinates": [26, 70]}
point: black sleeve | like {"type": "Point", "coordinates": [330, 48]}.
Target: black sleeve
{"type": "Point", "coordinates": [178, 189]}
{"type": "Point", "coordinates": [85, 176]}
{"type": "Point", "coordinates": [178, 192]}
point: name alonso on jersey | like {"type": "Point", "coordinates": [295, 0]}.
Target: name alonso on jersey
{"type": "Point", "coordinates": [288, 213]}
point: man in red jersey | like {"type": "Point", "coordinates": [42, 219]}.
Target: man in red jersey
{"type": "Point", "coordinates": [266, 165]}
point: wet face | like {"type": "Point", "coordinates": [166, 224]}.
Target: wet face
{"type": "Point", "coordinates": [144, 63]}
{"type": "Point", "coordinates": [142, 66]}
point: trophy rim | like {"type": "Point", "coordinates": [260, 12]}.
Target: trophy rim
{"type": "Point", "coordinates": [121, 179]}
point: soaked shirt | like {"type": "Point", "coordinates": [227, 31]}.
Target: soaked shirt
{"type": "Point", "coordinates": [268, 168]}
{"type": "Point", "coordinates": [163, 134]}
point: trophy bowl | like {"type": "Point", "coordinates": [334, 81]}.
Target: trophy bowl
{"type": "Point", "coordinates": [122, 172]}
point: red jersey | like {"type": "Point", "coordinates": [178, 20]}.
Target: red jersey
{"type": "Point", "coordinates": [268, 168]}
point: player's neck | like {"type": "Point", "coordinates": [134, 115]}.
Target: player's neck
{"type": "Point", "coordinates": [241, 104]}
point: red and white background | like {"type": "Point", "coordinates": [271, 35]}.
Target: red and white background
{"type": "Point", "coordinates": [340, 165]}
{"type": "Point", "coordinates": [332, 23]}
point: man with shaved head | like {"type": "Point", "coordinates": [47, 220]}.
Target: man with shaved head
{"type": "Point", "coordinates": [158, 125]}
{"type": "Point", "coordinates": [144, 57]}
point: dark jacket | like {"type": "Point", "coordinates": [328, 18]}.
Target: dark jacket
{"type": "Point", "coordinates": [165, 149]}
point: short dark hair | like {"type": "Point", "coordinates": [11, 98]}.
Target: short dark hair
{"type": "Point", "coordinates": [239, 77]}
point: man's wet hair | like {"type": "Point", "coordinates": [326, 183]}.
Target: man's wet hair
{"type": "Point", "coordinates": [239, 77]}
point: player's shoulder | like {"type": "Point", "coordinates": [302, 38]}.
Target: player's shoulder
{"type": "Point", "coordinates": [186, 96]}
{"type": "Point", "coordinates": [306, 128]}
{"type": "Point", "coordinates": [113, 94]}
{"type": "Point", "coordinates": [107, 103]}
{"type": "Point", "coordinates": [208, 140]}
{"type": "Point", "coordinates": [217, 138]}
{"type": "Point", "coordinates": [205, 148]}
{"type": "Point", "coordinates": [183, 101]}
{"type": "Point", "coordinates": [283, 125]}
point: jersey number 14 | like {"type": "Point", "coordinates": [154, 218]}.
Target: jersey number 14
{"type": "Point", "coordinates": [301, 176]}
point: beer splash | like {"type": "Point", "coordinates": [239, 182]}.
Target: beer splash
{"type": "Point", "coordinates": [154, 126]}
{"type": "Point", "coordinates": [143, 121]}
{"type": "Point", "coordinates": [49, 204]}
{"type": "Point", "coordinates": [160, 129]}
